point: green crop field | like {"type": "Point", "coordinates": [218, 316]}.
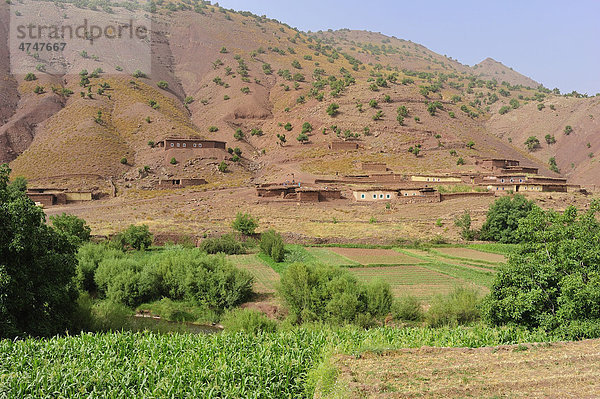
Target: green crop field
{"type": "Point", "coordinates": [278, 365]}
{"type": "Point", "coordinates": [328, 257]}
{"type": "Point", "coordinates": [265, 278]}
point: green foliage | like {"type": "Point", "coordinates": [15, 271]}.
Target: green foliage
{"type": "Point", "coordinates": [138, 74]}
{"type": "Point", "coordinates": [464, 223]}
{"type": "Point", "coordinates": [133, 237]}
{"type": "Point", "coordinates": [332, 109]}
{"type": "Point", "coordinates": [188, 100]}
{"type": "Point", "coordinates": [540, 106]}
{"type": "Point", "coordinates": [244, 223]}
{"type": "Point", "coordinates": [503, 218]}
{"type": "Point", "coordinates": [553, 280]}
{"type": "Point", "coordinates": [245, 90]}
{"type": "Point", "coordinates": [470, 144]}
{"type": "Point", "coordinates": [173, 161]}
{"type": "Point", "coordinates": [514, 103]}
{"type": "Point", "coordinates": [213, 129]}
{"type": "Point", "coordinates": [302, 138]}
{"type": "Point", "coordinates": [306, 127]}
{"type": "Point", "coordinates": [123, 161]}
{"type": "Point", "coordinates": [30, 77]}
{"type": "Point", "coordinates": [550, 139]}
{"type": "Point", "coordinates": [179, 274]}
{"type": "Point", "coordinates": [326, 293]}
{"type": "Point", "coordinates": [460, 161]}
{"type": "Point", "coordinates": [226, 244]}
{"type": "Point", "coordinates": [37, 266]}
{"type": "Point", "coordinates": [249, 321]}
{"type": "Point", "coordinates": [223, 167]}
{"type": "Point", "coordinates": [504, 109]}
{"type": "Point", "coordinates": [73, 227]}
{"type": "Point", "coordinates": [272, 244]}
{"type": "Point", "coordinates": [568, 129]}
{"type": "Point", "coordinates": [532, 143]}
{"type": "Point", "coordinates": [407, 308]}
{"type": "Point", "coordinates": [288, 126]}
{"type": "Point", "coordinates": [458, 307]}
{"type": "Point", "coordinates": [552, 165]}
{"type": "Point", "coordinates": [162, 84]}
{"type": "Point", "coordinates": [239, 134]}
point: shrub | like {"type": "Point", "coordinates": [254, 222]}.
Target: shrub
{"type": "Point", "coordinates": [226, 244]}
{"type": "Point", "coordinates": [302, 138]}
{"type": "Point", "coordinates": [245, 90]}
{"type": "Point", "coordinates": [222, 167]}
{"type": "Point", "coordinates": [271, 244]}
{"type": "Point", "coordinates": [244, 223]}
{"type": "Point", "coordinates": [550, 139]}
{"type": "Point", "coordinates": [503, 218]}
{"type": "Point", "coordinates": [30, 77]}
{"type": "Point", "coordinates": [458, 307]}
{"type": "Point", "coordinates": [213, 129]}
{"type": "Point", "coordinates": [327, 293]}
{"type": "Point", "coordinates": [188, 100]}
{"type": "Point", "coordinates": [464, 223]}
{"type": "Point", "coordinates": [124, 161]}
{"type": "Point", "coordinates": [568, 129]}
{"type": "Point", "coordinates": [407, 308]}
{"type": "Point", "coordinates": [138, 74]}
{"type": "Point", "coordinates": [238, 135]}
{"type": "Point", "coordinates": [173, 161]}
{"type": "Point", "coordinates": [470, 144]}
{"type": "Point", "coordinates": [73, 227]}
{"type": "Point", "coordinates": [134, 237]}
{"type": "Point", "coordinates": [532, 143]}
{"type": "Point", "coordinates": [249, 321]}
{"type": "Point", "coordinates": [504, 109]}
{"type": "Point", "coordinates": [288, 126]}
{"type": "Point", "coordinates": [332, 109]}
{"type": "Point", "coordinates": [306, 127]}
{"type": "Point", "coordinates": [552, 165]}
{"type": "Point", "coordinates": [163, 84]}
{"type": "Point", "coordinates": [460, 161]}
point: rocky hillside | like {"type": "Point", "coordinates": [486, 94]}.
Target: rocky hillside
{"type": "Point", "coordinates": [249, 80]}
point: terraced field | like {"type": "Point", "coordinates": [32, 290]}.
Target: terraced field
{"type": "Point", "coordinates": [376, 256]}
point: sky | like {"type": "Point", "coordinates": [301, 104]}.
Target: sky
{"type": "Point", "coordinates": [556, 43]}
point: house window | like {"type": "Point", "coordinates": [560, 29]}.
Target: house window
{"type": "Point", "coordinates": [381, 196]}
{"type": "Point", "coordinates": [520, 180]}
{"type": "Point", "coordinates": [199, 144]}
{"type": "Point", "coordinates": [374, 196]}
{"type": "Point", "coordinates": [512, 180]}
{"type": "Point", "coordinates": [387, 196]}
{"type": "Point", "coordinates": [194, 145]}
{"type": "Point", "coordinates": [172, 144]}
{"type": "Point", "coordinates": [502, 180]}
{"type": "Point", "coordinates": [178, 145]}
{"type": "Point", "coordinates": [362, 196]}
{"type": "Point", "coordinates": [428, 179]}
{"type": "Point", "coordinates": [184, 144]}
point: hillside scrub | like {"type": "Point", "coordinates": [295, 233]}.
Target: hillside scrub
{"type": "Point", "coordinates": [272, 245]}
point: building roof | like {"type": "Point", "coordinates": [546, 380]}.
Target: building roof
{"type": "Point", "coordinates": [192, 139]}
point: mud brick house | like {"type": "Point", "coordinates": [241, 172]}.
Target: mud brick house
{"type": "Point", "coordinates": [276, 190]}
{"type": "Point", "coordinates": [375, 194]}
{"type": "Point", "coordinates": [180, 182]}
{"type": "Point", "coordinates": [374, 166]}
{"type": "Point", "coordinates": [316, 194]}
{"type": "Point", "coordinates": [504, 184]}
{"type": "Point", "coordinates": [440, 179]}
{"type": "Point", "coordinates": [183, 149]}
{"type": "Point", "coordinates": [416, 191]}
{"type": "Point", "coordinates": [343, 145]}
{"type": "Point", "coordinates": [505, 166]}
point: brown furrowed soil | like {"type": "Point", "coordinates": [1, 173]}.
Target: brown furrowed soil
{"type": "Point", "coordinates": [376, 256]}
{"type": "Point", "coordinates": [472, 254]}
{"type": "Point", "coordinates": [558, 370]}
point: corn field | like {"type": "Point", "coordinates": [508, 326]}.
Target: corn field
{"type": "Point", "coordinates": [124, 365]}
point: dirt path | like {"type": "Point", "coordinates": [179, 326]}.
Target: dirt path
{"type": "Point", "coordinates": [560, 370]}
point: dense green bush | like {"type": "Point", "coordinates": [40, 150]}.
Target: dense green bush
{"type": "Point", "coordinates": [407, 308]}
{"type": "Point", "coordinates": [75, 228]}
{"type": "Point", "coordinates": [247, 320]}
{"type": "Point", "coordinates": [179, 274]}
{"type": "Point", "coordinates": [89, 257]}
{"type": "Point", "coordinates": [503, 218]}
{"type": "Point", "coordinates": [134, 237]}
{"type": "Point", "coordinates": [37, 266]}
{"type": "Point", "coordinates": [330, 294]}
{"type": "Point", "coordinates": [244, 223]}
{"type": "Point", "coordinates": [271, 244]}
{"type": "Point", "coordinates": [226, 244]}
{"type": "Point", "coordinates": [553, 279]}
{"type": "Point", "coordinates": [458, 307]}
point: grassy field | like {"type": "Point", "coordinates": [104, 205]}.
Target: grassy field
{"type": "Point", "coordinates": [265, 278]}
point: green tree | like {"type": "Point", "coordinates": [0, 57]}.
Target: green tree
{"type": "Point", "coordinates": [75, 228]}
{"type": "Point", "coordinates": [550, 139]}
{"type": "Point", "coordinates": [503, 218]}
{"type": "Point", "coordinates": [134, 237]}
{"type": "Point", "coordinates": [332, 109]}
{"type": "Point", "coordinates": [568, 129]}
{"type": "Point", "coordinates": [464, 223]}
{"type": "Point", "coordinates": [532, 143]}
{"type": "Point", "coordinates": [553, 280]}
{"type": "Point", "coordinates": [222, 167]}
{"type": "Point", "coordinates": [245, 223]}
{"type": "Point", "coordinates": [37, 268]}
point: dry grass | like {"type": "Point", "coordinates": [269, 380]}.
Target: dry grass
{"type": "Point", "coordinates": [558, 370]}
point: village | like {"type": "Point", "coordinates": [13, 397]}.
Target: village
{"type": "Point", "coordinates": [376, 183]}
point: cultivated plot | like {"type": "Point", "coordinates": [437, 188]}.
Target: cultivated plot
{"type": "Point", "coordinates": [265, 278]}
{"type": "Point", "coordinates": [471, 254]}
{"type": "Point", "coordinates": [376, 256]}
{"type": "Point", "coordinates": [329, 257]}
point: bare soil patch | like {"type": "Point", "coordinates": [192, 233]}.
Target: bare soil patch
{"type": "Point", "coordinates": [559, 370]}
{"type": "Point", "coordinates": [376, 256]}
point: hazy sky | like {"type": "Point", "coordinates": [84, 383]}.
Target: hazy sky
{"type": "Point", "coordinates": [554, 42]}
